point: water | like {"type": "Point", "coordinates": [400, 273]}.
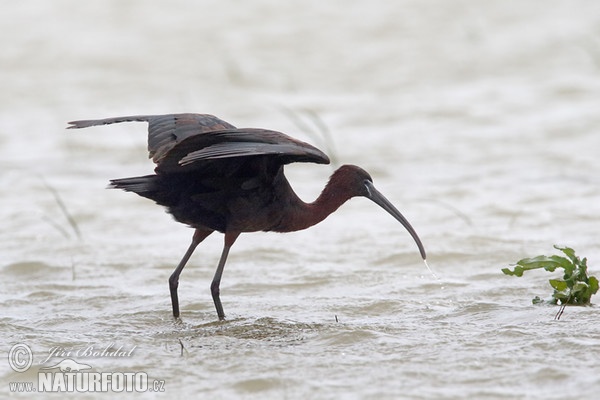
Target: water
{"type": "Point", "coordinates": [478, 121]}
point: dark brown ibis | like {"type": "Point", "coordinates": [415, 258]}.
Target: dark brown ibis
{"type": "Point", "coordinates": [213, 176]}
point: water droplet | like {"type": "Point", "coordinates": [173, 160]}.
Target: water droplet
{"type": "Point", "coordinates": [429, 269]}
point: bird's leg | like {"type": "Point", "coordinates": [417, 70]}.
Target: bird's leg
{"type": "Point", "coordinates": [230, 238]}
{"type": "Point", "coordinates": [199, 235]}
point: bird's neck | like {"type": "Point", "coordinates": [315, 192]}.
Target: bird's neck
{"type": "Point", "coordinates": [328, 202]}
{"type": "Point", "coordinates": [305, 215]}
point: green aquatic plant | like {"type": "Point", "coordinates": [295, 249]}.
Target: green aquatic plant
{"type": "Point", "coordinates": [575, 287]}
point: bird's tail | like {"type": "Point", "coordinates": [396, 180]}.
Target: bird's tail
{"type": "Point", "coordinates": [149, 186]}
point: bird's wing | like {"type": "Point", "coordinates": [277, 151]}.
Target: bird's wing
{"type": "Point", "coordinates": [196, 151]}
{"type": "Point", "coordinates": [165, 131]}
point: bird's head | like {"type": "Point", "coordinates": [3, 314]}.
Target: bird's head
{"type": "Point", "coordinates": [355, 181]}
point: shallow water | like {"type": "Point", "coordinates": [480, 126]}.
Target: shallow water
{"type": "Point", "coordinates": [478, 121]}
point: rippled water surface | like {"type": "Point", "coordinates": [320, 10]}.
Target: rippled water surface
{"type": "Point", "coordinates": [480, 122]}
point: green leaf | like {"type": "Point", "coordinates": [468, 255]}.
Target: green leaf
{"type": "Point", "coordinates": [563, 296]}
{"type": "Point", "coordinates": [558, 284]}
{"type": "Point", "coordinates": [518, 271]}
{"type": "Point", "coordinates": [548, 263]}
{"type": "Point", "coordinates": [569, 252]}
{"type": "Point", "coordinates": [593, 282]}
{"type": "Point", "coordinates": [590, 290]}
{"type": "Point", "coordinates": [582, 293]}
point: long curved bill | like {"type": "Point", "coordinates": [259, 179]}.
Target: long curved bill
{"type": "Point", "coordinates": [379, 199]}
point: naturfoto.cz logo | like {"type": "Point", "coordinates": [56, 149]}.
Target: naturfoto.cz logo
{"type": "Point", "coordinates": [69, 375]}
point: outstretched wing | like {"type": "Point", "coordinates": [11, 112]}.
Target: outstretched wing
{"type": "Point", "coordinates": [184, 142]}
{"type": "Point", "coordinates": [164, 131]}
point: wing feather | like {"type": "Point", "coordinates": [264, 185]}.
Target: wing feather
{"type": "Point", "coordinates": [164, 131]}
{"type": "Point", "coordinates": [185, 142]}
{"type": "Point", "coordinates": [200, 150]}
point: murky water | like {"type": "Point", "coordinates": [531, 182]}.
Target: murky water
{"type": "Point", "coordinates": [479, 121]}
